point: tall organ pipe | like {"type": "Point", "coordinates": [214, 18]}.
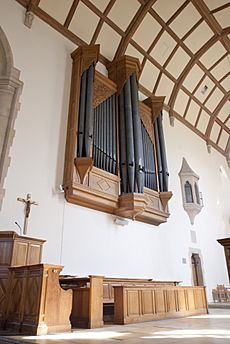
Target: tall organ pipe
{"type": "Point", "coordinates": [159, 160]}
{"type": "Point", "coordinates": [110, 116]}
{"type": "Point", "coordinates": [138, 143]}
{"type": "Point", "coordinates": [163, 153]}
{"type": "Point", "coordinates": [81, 118]}
{"type": "Point", "coordinates": [89, 111]}
{"type": "Point", "coordinates": [122, 143]}
{"type": "Point", "coordinates": [114, 141]}
{"type": "Point", "coordinates": [129, 136]}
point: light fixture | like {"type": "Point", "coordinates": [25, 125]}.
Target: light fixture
{"type": "Point", "coordinates": [204, 89]}
{"type": "Point", "coordinates": [121, 221]}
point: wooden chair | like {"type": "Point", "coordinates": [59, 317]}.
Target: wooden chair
{"type": "Point", "coordinates": [215, 295]}
{"type": "Point", "coordinates": [222, 292]}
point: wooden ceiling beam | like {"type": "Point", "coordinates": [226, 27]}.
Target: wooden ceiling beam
{"type": "Point", "coordinates": [221, 8]}
{"type": "Point", "coordinates": [203, 9]}
{"type": "Point", "coordinates": [101, 15]}
{"type": "Point", "coordinates": [71, 13]}
{"type": "Point", "coordinates": [215, 114]}
{"type": "Point", "coordinates": [101, 21]}
{"type": "Point", "coordinates": [133, 26]}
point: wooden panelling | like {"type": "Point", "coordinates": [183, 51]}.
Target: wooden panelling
{"type": "Point", "coordinates": [138, 304]}
{"type": "Point", "coordinates": [36, 302]}
{"type": "Point", "coordinates": [15, 250]}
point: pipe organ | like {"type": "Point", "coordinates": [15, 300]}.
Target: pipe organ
{"type": "Point", "coordinates": [115, 152]}
{"type": "Point", "coordinates": [104, 136]}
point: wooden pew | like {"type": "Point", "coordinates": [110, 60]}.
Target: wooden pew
{"type": "Point", "coordinates": [93, 297]}
{"type": "Point", "coordinates": [139, 304]}
{"type": "Point", "coordinates": [36, 302]}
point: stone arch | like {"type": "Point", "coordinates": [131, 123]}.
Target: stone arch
{"type": "Point", "coordinates": [10, 91]}
{"type": "Point", "coordinates": [6, 56]}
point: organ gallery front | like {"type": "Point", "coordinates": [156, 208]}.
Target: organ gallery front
{"type": "Point", "coordinates": [115, 158]}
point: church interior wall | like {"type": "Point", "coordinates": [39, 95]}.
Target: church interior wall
{"type": "Point", "coordinates": [87, 241]}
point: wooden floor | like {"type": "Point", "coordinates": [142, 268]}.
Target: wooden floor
{"type": "Point", "coordinates": [212, 328]}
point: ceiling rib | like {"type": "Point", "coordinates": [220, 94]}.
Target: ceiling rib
{"type": "Point", "coordinates": [215, 114]}
{"type": "Point", "coordinates": [126, 38]}
{"type": "Point", "coordinates": [220, 8]}
{"type": "Point", "coordinates": [133, 26]}
{"type": "Point", "coordinates": [71, 13]}
{"type": "Point", "coordinates": [101, 21]}
{"type": "Point", "coordinates": [189, 66]}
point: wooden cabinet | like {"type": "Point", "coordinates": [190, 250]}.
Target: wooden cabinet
{"type": "Point", "coordinates": [36, 302]}
{"type": "Point", "coordinates": [226, 243]}
{"type": "Point", "coordinates": [15, 250]}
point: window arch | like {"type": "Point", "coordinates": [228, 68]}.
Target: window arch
{"type": "Point", "coordinates": [188, 192]}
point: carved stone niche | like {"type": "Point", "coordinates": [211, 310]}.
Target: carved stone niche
{"type": "Point", "coordinates": [10, 91]}
{"type": "Point", "coordinates": [191, 196]}
{"type": "Point", "coordinates": [85, 184]}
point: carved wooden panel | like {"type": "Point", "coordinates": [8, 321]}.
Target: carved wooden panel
{"type": "Point", "coordinates": [146, 117]}
{"type": "Point", "coordinates": [36, 302]}
{"type": "Point", "coordinates": [103, 88]}
{"type": "Point", "coordinates": [4, 288]}
{"type": "Point", "coordinates": [182, 304]}
{"type": "Point", "coordinates": [137, 304]}
{"type": "Point", "coordinates": [103, 181]}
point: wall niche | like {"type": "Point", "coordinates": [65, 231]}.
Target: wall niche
{"type": "Point", "coordinates": [191, 196]}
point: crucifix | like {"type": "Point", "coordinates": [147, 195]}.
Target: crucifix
{"type": "Point", "coordinates": [28, 202]}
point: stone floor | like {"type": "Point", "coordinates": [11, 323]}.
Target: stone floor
{"type": "Point", "coordinates": [213, 328]}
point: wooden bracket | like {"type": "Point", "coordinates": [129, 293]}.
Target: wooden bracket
{"type": "Point", "coordinates": [83, 166]}
{"type": "Point", "coordinates": [165, 197]}
{"type": "Point", "coordinates": [131, 205]}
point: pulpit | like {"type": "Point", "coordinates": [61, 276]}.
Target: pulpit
{"type": "Point", "coordinates": [15, 250]}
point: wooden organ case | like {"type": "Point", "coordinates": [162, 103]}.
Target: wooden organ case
{"type": "Point", "coordinates": [115, 158]}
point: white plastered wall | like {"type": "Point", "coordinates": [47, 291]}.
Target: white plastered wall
{"type": "Point", "coordinates": [86, 241]}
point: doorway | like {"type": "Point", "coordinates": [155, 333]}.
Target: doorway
{"type": "Point", "coordinates": [197, 273]}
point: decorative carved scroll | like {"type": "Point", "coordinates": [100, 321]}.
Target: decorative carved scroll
{"type": "Point", "coordinates": [146, 117]}
{"type": "Point", "coordinates": [103, 88]}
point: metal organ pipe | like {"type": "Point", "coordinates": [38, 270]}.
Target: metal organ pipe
{"type": "Point", "coordinates": [138, 143]}
{"type": "Point", "coordinates": [122, 143]}
{"type": "Point", "coordinates": [159, 161]}
{"type": "Point", "coordinates": [165, 173]}
{"type": "Point", "coordinates": [81, 120]}
{"type": "Point", "coordinates": [89, 111]}
{"type": "Point", "coordinates": [129, 136]}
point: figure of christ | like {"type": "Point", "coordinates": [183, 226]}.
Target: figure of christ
{"type": "Point", "coordinates": [28, 202]}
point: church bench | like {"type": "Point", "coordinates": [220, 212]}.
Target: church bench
{"type": "Point", "coordinates": [139, 304]}
{"type": "Point", "coordinates": [36, 302]}
{"type": "Point", "coordinates": [93, 297]}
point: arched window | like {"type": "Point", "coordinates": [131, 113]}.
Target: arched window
{"type": "Point", "coordinates": [197, 193]}
{"type": "Point", "coordinates": [188, 193]}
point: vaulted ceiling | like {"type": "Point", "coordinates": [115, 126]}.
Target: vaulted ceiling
{"type": "Point", "coordinates": [183, 47]}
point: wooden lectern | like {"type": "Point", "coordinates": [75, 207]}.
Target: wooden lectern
{"type": "Point", "coordinates": [15, 250]}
